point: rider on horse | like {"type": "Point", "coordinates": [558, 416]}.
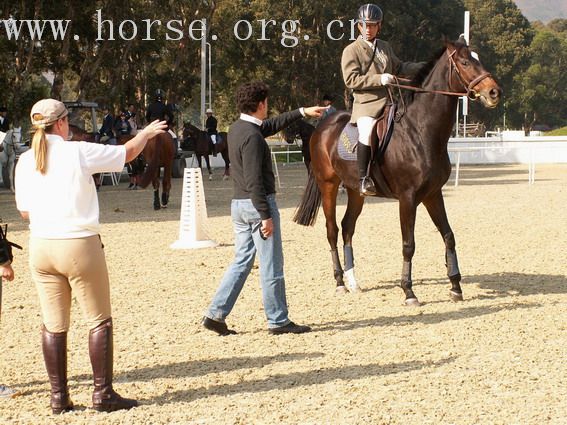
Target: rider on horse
{"type": "Point", "coordinates": [160, 111]}
{"type": "Point", "coordinates": [211, 126]}
{"type": "Point", "coordinates": [367, 66]}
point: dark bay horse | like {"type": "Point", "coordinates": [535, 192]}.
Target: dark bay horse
{"type": "Point", "coordinates": [158, 152]}
{"type": "Point", "coordinates": [414, 167]}
{"type": "Point", "coordinates": [303, 130]}
{"type": "Point", "coordinates": [203, 147]}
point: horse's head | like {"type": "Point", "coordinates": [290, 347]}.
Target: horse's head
{"type": "Point", "coordinates": [471, 75]}
{"type": "Point", "coordinates": [189, 130]}
{"type": "Point", "coordinates": [291, 132]}
{"type": "Point", "coordinates": [77, 133]}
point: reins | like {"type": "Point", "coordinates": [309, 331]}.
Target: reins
{"type": "Point", "coordinates": [470, 93]}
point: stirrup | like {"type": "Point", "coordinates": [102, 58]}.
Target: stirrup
{"type": "Point", "coordinates": [367, 187]}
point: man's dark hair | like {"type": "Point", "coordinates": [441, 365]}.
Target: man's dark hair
{"type": "Point", "coordinates": [3, 109]}
{"type": "Point", "coordinates": [249, 95]}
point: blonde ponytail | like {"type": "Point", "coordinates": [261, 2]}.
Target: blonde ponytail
{"type": "Point", "coordinates": [39, 146]}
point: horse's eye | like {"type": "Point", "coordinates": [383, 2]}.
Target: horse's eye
{"type": "Point", "coordinates": [465, 62]}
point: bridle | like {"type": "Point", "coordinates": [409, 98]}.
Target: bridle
{"type": "Point", "coordinates": [471, 93]}
{"type": "Point", "coordinates": [468, 86]}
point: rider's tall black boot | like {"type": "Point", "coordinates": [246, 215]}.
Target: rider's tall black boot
{"type": "Point", "coordinates": [363, 156]}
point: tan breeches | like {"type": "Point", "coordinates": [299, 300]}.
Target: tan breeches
{"type": "Point", "coordinates": [62, 266]}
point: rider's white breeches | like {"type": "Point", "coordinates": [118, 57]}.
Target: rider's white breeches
{"type": "Point", "coordinates": [365, 126]}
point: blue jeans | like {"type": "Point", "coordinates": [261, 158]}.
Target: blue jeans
{"type": "Point", "coordinates": [247, 242]}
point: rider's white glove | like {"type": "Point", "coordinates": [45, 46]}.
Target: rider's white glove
{"type": "Point", "coordinates": [386, 79]}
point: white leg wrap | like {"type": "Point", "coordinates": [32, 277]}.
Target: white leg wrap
{"type": "Point", "coordinates": [351, 283]}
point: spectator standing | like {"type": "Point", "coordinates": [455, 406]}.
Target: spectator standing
{"type": "Point", "coordinates": [55, 191]}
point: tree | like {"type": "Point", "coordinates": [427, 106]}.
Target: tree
{"type": "Point", "coordinates": [502, 36]}
{"type": "Point", "coordinates": [541, 88]}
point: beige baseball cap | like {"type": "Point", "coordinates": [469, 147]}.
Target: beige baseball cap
{"type": "Point", "coordinates": [47, 111]}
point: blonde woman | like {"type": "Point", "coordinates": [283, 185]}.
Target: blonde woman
{"type": "Point", "coordinates": [55, 191]}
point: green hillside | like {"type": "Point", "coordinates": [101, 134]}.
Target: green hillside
{"type": "Point", "coordinates": [543, 10]}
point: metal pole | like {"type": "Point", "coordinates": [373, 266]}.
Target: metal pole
{"type": "Point", "coordinates": [465, 98]}
{"type": "Point", "coordinates": [210, 79]}
{"type": "Point", "coordinates": [457, 121]}
{"type": "Point", "coordinates": [203, 68]}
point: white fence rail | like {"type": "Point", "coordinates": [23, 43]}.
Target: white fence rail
{"type": "Point", "coordinates": [493, 150]}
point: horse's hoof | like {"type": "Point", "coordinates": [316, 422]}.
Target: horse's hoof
{"type": "Point", "coordinates": [210, 176]}
{"type": "Point", "coordinates": [164, 206]}
{"type": "Point", "coordinates": [412, 302]}
{"type": "Point", "coordinates": [225, 178]}
{"type": "Point", "coordinates": [456, 296]}
{"type": "Point", "coordinates": [354, 289]}
{"type": "Point", "coordinates": [341, 290]}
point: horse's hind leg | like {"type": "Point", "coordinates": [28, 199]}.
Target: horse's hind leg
{"type": "Point", "coordinates": [166, 186]}
{"type": "Point", "coordinates": [407, 221]}
{"type": "Point", "coordinates": [354, 207]}
{"type": "Point", "coordinates": [155, 184]}
{"type": "Point", "coordinates": [436, 209]}
{"type": "Point", "coordinates": [208, 161]}
{"type": "Point", "coordinates": [329, 200]}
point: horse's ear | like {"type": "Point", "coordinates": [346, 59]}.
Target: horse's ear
{"type": "Point", "coordinates": [449, 44]}
{"type": "Point", "coordinates": [461, 42]}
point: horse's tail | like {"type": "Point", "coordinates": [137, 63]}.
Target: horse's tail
{"type": "Point", "coordinates": [153, 165]}
{"type": "Point", "coordinates": [306, 213]}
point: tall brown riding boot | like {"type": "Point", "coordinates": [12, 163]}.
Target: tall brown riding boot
{"type": "Point", "coordinates": [105, 399]}
{"type": "Point", "coordinates": [55, 355]}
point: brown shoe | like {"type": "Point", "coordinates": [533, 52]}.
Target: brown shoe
{"type": "Point", "coordinates": [290, 328]}
{"type": "Point", "coordinates": [105, 399]}
{"type": "Point", "coordinates": [218, 327]}
{"type": "Point", "coordinates": [54, 346]}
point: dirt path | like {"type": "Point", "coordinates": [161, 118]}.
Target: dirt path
{"type": "Point", "coordinates": [496, 358]}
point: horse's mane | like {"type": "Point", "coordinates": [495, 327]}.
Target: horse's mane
{"type": "Point", "coordinates": [422, 74]}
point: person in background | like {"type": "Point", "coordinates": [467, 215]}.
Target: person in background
{"type": "Point", "coordinates": [132, 119]}
{"type": "Point", "coordinates": [55, 191]}
{"type": "Point", "coordinates": [4, 121]}
{"type": "Point", "coordinates": [122, 125]}
{"type": "Point", "coordinates": [106, 131]}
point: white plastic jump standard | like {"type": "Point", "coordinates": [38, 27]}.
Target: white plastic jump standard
{"type": "Point", "coordinates": [193, 220]}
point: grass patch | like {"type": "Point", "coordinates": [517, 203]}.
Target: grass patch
{"type": "Point", "coordinates": [557, 132]}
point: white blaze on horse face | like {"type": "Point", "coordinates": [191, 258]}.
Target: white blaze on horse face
{"type": "Point", "coordinates": [475, 55]}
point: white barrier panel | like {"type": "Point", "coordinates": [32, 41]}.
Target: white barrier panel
{"type": "Point", "coordinates": [193, 220]}
{"type": "Point", "coordinates": [492, 150]}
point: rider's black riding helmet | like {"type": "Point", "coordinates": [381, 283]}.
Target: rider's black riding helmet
{"type": "Point", "coordinates": [370, 14]}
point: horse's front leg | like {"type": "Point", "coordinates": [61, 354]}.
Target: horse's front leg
{"type": "Point", "coordinates": [407, 221]}
{"type": "Point", "coordinates": [348, 224]}
{"type": "Point", "coordinates": [436, 209]}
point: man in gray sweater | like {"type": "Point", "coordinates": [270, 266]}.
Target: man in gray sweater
{"type": "Point", "coordinates": [255, 215]}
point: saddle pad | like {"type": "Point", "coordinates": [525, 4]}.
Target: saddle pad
{"type": "Point", "coordinates": [347, 142]}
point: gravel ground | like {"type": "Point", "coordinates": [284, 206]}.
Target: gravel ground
{"type": "Point", "coordinates": [499, 357]}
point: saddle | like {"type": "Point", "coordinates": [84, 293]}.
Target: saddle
{"type": "Point", "coordinates": [348, 141]}
{"type": "Point", "coordinates": [384, 127]}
